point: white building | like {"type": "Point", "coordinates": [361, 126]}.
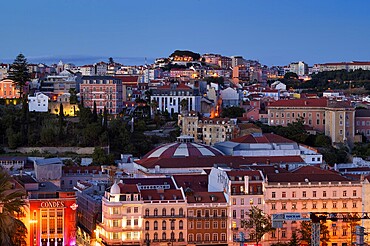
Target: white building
{"type": "Point", "coordinates": [300, 68]}
{"type": "Point", "coordinates": [38, 102]}
{"type": "Point", "coordinates": [230, 97]}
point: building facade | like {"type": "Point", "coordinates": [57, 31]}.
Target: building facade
{"type": "Point", "coordinates": [104, 91]}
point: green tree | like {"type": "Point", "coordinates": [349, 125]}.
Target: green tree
{"type": "Point", "coordinates": [111, 60]}
{"type": "Point", "coordinates": [101, 158]}
{"type": "Point", "coordinates": [232, 112]}
{"type": "Point", "coordinates": [294, 241]}
{"type": "Point", "coordinates": [305, 232]}
{"type": "Point", "coordinates": [19, 73]}
{"type": "Point", "coordinates": [73, 96]}
{"type": "Point", "coordinates": [153, 106]}
{"type": "Point", "coordinates": [290, 75]}
{"type": "Point", "coordinates": [95, 114]}
{"type": "Point", "coordinates": [12, 229]}
{"type": "Point", "coordinates": [105, 118]}
{"type": "Point", "coordinates": [61, 121]}
{"type": "Point", "coordinates": [257, 224]}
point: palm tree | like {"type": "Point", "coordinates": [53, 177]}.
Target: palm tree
{"type": "Point", "coordinates": [12, 229]}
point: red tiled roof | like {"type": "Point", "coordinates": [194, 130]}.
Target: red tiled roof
{"type": "Point", "coordinates": [264, 138]}
{"type": "Point", "coordinates": [128, 188]}
{"type": "Point", "coordinates": [194, 182]}
{"type": "Point", "coordinates": [304, 177]}
{"type": "Point", "coordinates": [238, 173]}
{"type": "Point", "coordinates": [320, 102]}
{"type": "Point", "coordinates": [206, 197]}
{"type": "Point", "coordinates": [210, 161]}
{"type": "Point", "coordinates": [168, 194]}
{"type": "Point", "coordinates": [180, 86]}
{"type": "Point", "coordinates": [128, 80]}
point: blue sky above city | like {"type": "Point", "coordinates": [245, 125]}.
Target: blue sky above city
{"type": "Point", "coordinates": [275, 32]}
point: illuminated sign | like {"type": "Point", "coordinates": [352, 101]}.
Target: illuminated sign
{"type": "Point", "coordinates": [74, 206]}
{"type": "Point", "coordinates": [52, 204]}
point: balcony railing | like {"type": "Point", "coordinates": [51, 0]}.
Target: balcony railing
{"type": "Point", "coordinates": [165, 216]}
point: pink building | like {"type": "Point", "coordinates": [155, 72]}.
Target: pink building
{"type": "Point", "coordinates": [105, 91]}
{"type": "Point", "coordinates": [362, 119]}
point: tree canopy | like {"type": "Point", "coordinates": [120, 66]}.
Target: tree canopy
{"type": "Point", "coordinates": [257, 223]}
{"type": "Point", "coordinates": [19, 73]}
{"type": "Point", "coordinates": [195, 56]}
{"type": "Point", "coordinates": [12, 229]}
{"type": "Point", "coordinates": [232, 112]}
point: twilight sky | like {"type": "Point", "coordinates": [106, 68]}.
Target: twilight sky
{"type": "Point", "coordinates": [275, 32]}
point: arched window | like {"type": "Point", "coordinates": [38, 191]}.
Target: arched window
{"type": "Point", "coordinates": [181, 235]}
{"type": "Point", "coordinates": [164, 236]}
{"type": "Point", "coordinates": [181, 225]}
{"type": "Point", "coordinates": [181, 212]}
{"type": "Point", "coordinates": [164, 225]}
{"type": "Point", "coordinates": [155, 236]}
{"type": "Point", "coordinates": [147, 212]}
{"type": "Point", "coordinates": [172, 211]}
{"type": "Point", "coordinates": [173, 224]}
{"type": "Point", "coordinates": [164, 212]}
{"type": "Point", "coordinates": [155, 212]}
{"type": "Point", "coordinates": [199, 237]}
{"type": "Point", "coordinates": [172, 236]}
{"type": "Point", "coordinates": [155, 225]}
{"type": "Point", "coordinates": [146, 236]}
{"type": "Point", "coordinates": [190, 237]}
{"type": "Point", "coordinates": [146, 225]}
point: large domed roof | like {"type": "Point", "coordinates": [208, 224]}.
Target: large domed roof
{"type": "Point", "coordinates": [184, 147]}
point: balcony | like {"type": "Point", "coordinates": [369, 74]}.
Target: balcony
{"type": "Point", "coordinates": [164, 216]}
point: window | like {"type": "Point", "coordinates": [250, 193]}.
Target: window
{"type": "Point", "coordinates": [199, 237]}
{"type": "Point", "coordinates": [191, 225]}
{"type": "Point", "coordinates": [181, 236]}
{"type": "Point", "coordinates": [242, 213]}
{"type": "Point", "coordinates": [283, 206]}
{"type": "Point", "coordinates": [283, 234]}
{"type": "Point", "coordinates": [304, 205]}
{"type": "Point", "coordinates": [324, 205]}
{"type": "Point", "coordinates": [223, 224]}
{"type": "Point", "coordinates": [334, 193]}
{"type": "Point", "coordinates": [241, 201]}
{"type": "Point", "coordinates": [304, 193]}
{"type": "Point", "coordinates": [207, 237]}
{"type": "Point", "coordinates": [181, 224]}
{"type": "Point", "coordinates": [128, 222]}
{"type": "Point", "coordinates": [223, 237]}
{"type": "Point", "coordinates": [215, 224]}
{"type": "Point", "coordinates": [136, 210]}
{"type": "Point", "coordinates": [206, 225]}
{"type": "Point", "coordinates": [324, 193]}
{"type": "Point", "coordinates": [273, 206]}
{"type": "Point", "coordinates": [164, 236]}
{"type": "Point", "coordinates": [147, 212]}
{"type": "Point", "coordinates": [136, 222]}
{"type": "Point", "coordinates": [234, 214]}
{"type": "Point", "coordinates": [273, 234]}
{"type": "Point", "coordinates": [164, 212]}
{"type": "Point", "coordinates": [354, 193]}
{"type": "Point", "coordinates": [199, 225]}
{"type": "Point", "coordinates": [155, 225]}
{"type": "Point", "coordinates": [314, 193]}
{"type": "Point", "coordinates": [273, 194]}
{"type": "Point", "coordinates": [344, 193]}
{"type": "Point", "coordinates": [115, 223]}
{"type": "Point", "coordinates": [155, 212]}
{"type": "Point", "coordinates": [334, 204]}
{"type": "Point", "coordinates": [344, 233]}
{"type": "Point", "coordinates": [115, 235]}
{"type": "Point", "coordinates": [181, 212]}
{"type": "Point", "coordinates": [354, 205]}
{"type": "Point", "coordinates": [164, 225]}
{"type": "Point", "coordinates": [115, 211]}
{"type": "Point", "coordinates": [129, 210]}
{"type": "Point", "coordinates": [234, 201]}
{"type": "Point", "coordinates": [294, 206]}
{"type": "Point", "coordinates": [344, 205]}
{"type": "Point", "coordinates": [283, 194]}
{"type": "Point", "coordinates": [172, 211]}
{"type": "Point", "coordinates": [147, 225]}
{"type": "Point", "coordinates": [294, 194]}
{"type": "Point", "coordinates": [215, 237]}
